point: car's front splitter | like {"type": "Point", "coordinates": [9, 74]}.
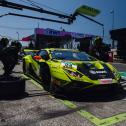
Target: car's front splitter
{"type": "Point", "coordinates": [83, 86]}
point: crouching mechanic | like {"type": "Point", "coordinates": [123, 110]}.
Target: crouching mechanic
{"type": "Point", "coordinates": [9, 57]}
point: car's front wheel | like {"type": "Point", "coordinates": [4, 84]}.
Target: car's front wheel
{"type": "Point", "coordinates": [45, 75]}
{"type": "Point", "coordinates": [24, 67]}
{"type": "Point", "coordinates": [55, 89]}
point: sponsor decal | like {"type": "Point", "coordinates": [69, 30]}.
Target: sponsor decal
{"type": "Point", "coordinates": [101, 72]}
{"type": "Point", "coordinates": [106, 81]}
{"type": "Point", "coordinates": [97, 72]}
{"type": "Point", "coordinates": [69, 65]}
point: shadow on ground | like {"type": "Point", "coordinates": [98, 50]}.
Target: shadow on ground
{"type": "Point", "coordinates": [93, 96]}
{"type": "Point", "coordinates": [41, 116]}
{"type": "Point", "coordinates": [23, 95]}
{"type": "Point", "coordinates": [88, 96]}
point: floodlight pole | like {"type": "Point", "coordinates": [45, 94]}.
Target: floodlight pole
{"type": "Point", "coordinates": [103, 31]}
{"type": "Point", "coordinates": [113, 17]}
{"type": "Point", "coordinates": [18, 35]}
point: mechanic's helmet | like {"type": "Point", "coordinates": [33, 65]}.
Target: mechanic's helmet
{"type": "Point", "coordinates": [16, 44]}
{"type": "Point", "coordinates": [98, 41]}
{"type": "Point", "coordinates": [19, 46]}
{"type": "Point", "coordinates": [13, 43]}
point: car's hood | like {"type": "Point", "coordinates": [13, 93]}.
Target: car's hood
{"type": "Point", "coordinates": [93, 69]}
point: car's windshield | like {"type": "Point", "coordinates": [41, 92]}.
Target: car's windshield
{"type": "Point", "coordinates": [71, 55]}
{"type": "Point", "coordinates": [31, 52]}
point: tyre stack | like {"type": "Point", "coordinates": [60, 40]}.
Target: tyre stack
{"type": "Point", "coordinates": [11, 86]}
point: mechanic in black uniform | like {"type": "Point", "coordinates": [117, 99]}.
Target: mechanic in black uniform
{"type": "Point", "coordinates": [9, 56]}
{"type": "Point", "coordinates": [100, 50]}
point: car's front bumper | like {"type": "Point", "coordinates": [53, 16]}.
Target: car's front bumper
{"type": "Point", "coordinates": [82, 86]}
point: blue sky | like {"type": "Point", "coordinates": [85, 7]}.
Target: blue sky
{"type": "Point", "coordinates": [26, 26]}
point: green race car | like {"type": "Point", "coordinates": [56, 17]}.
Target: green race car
{"type": "Point", "coordinates": [70, 69]}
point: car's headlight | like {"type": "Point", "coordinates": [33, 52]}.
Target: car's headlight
{"type": "Point", "coordinates": [116, 74]}
{"type": "Point", "coordinates": [74, 73]}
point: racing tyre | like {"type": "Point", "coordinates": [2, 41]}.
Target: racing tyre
{"type": "Point", "coordinates": [24, 67]}
{"type": "Point", "coordinates": [54, 89]}
{"type": "Point", "coordinates": [45, 75]}
{"type": "Point", "coordinates": [11, 86]}
{"type": "Point", "coordinates": [30, 70]}
{"type": "Point", "coordinates": [118, 89]}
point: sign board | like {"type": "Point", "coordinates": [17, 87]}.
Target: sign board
{"type": "Point", "coordinates": [52, 32]}
{"type": "Point", "coordinates": [88, 10]}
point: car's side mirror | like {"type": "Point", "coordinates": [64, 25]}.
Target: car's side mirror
{"type": "Point", "coordinates": [45, 57]}
{"type": "Point", "coordinates": [37, 57]}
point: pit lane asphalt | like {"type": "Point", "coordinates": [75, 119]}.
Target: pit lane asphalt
{"type": "Point", "coordinates": [39, 108]}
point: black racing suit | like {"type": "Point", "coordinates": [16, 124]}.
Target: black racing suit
{"type": "Point", "coordinates": [9, 58]}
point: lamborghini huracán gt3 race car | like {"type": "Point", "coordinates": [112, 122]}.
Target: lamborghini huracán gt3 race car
{"type": "Point", "coordinates": [70, 69]}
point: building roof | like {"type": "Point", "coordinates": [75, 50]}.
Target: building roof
{"type": "Point", "coordinates": [28, 38]}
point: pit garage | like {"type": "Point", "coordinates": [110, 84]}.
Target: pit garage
{"type": "Point", "coordinates": [43, 38]}
{"type": "Point", "coordinates": [119, 41]}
